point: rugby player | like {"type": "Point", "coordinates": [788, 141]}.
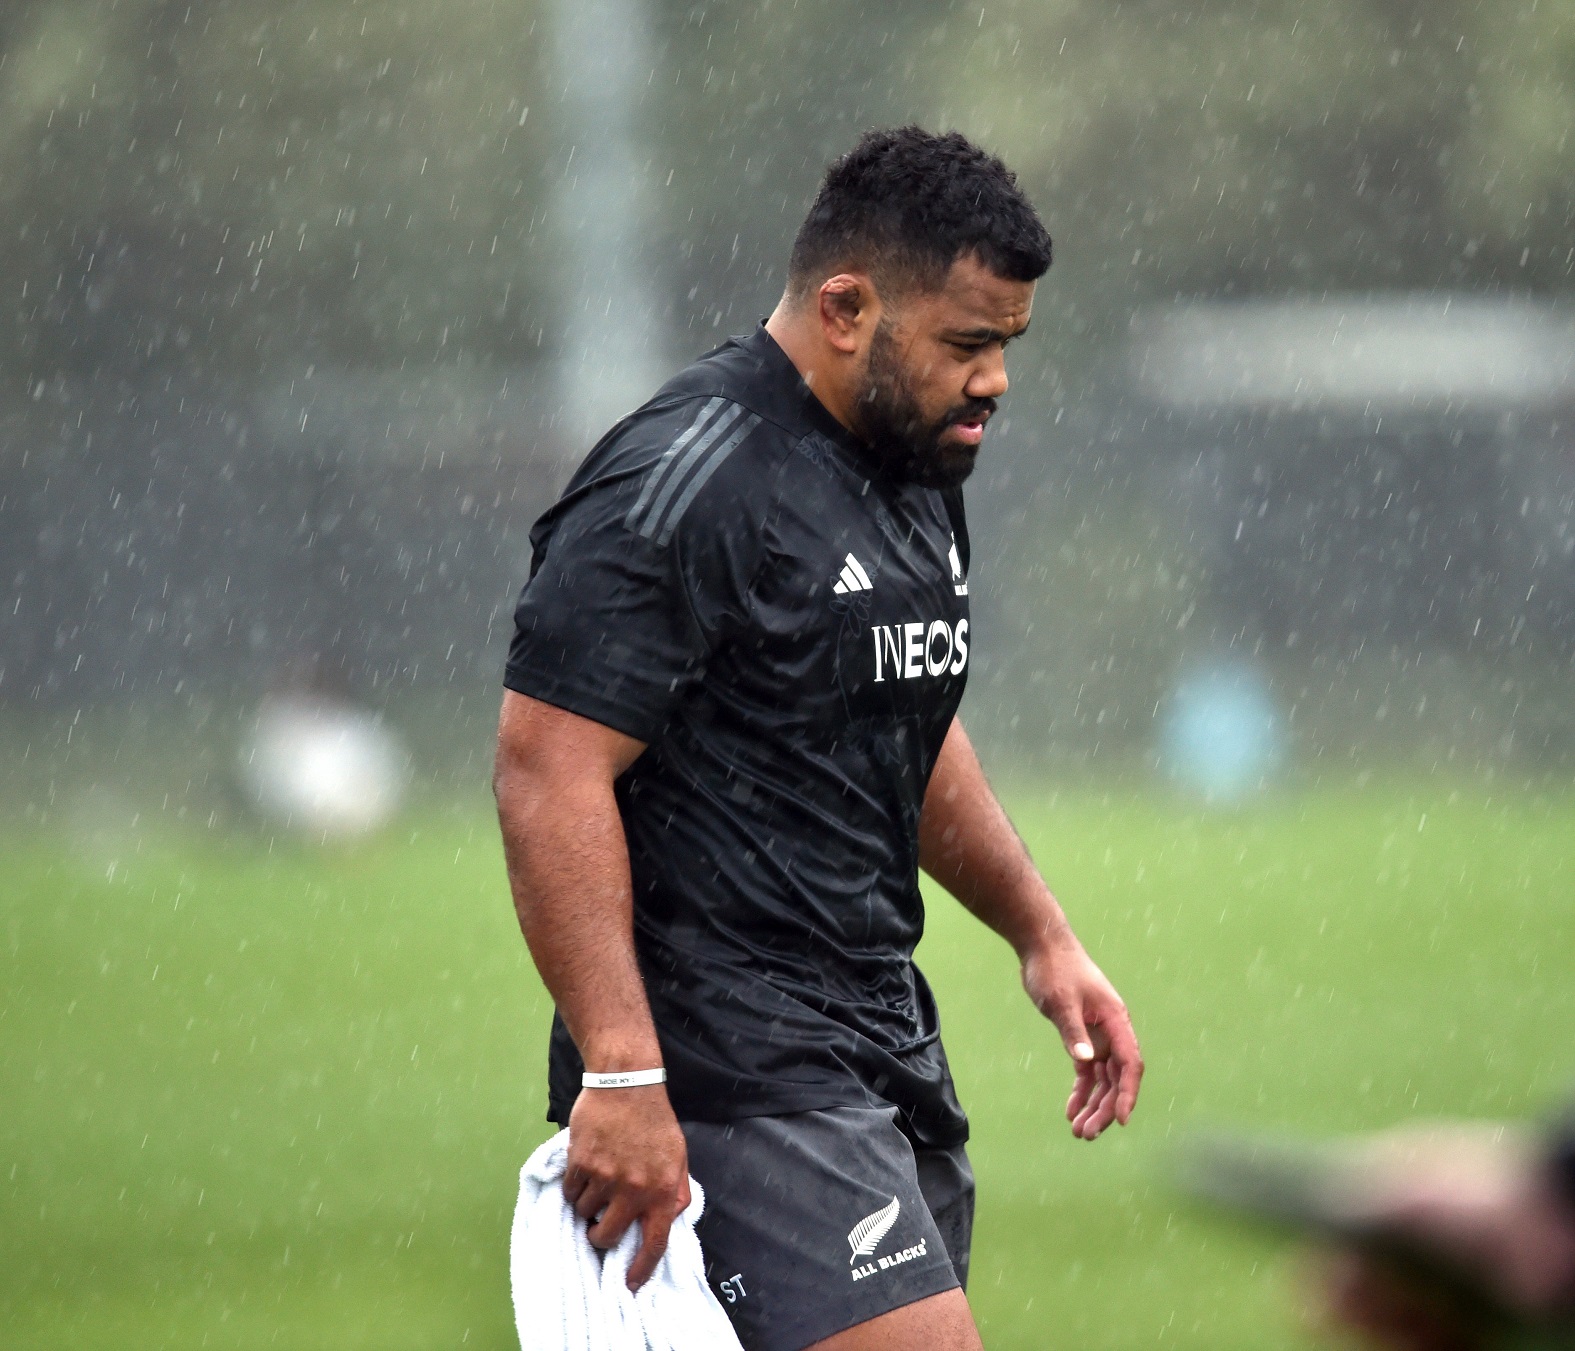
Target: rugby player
{"type": "Point", "coordinates": [728, 745]}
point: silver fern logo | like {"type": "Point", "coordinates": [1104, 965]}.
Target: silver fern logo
{"type": "Point", "coordinates": [867, 1234]}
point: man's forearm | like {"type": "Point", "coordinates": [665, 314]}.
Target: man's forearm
{"type": "Point", "coordinates": [968, 845]}
{"type": "Point", "coordinates": [568, 867]}
{"type": "Point", "coordinates": [568, 863]}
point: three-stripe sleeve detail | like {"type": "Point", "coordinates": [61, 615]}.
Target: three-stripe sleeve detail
{"type": "Point", "coordinates": [673, 473]}
{"type": "Point", "coordinates": [686, 466]}
{"type": "Point", "coordinates": [712, 463]}
{"type": "Point", "coordinates": [654, 478]}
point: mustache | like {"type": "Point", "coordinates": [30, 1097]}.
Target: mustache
{"type": "Point", "coordinates": [975, 410]}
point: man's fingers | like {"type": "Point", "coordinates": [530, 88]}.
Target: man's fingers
{"type": "Point", "coordinates": [574, 1182]}
{"type": "Point", "coordinates": [1127, 1094]}
{"type": "Point", "coordinates": [1085, 1126]}
{"type": "Point", "coordinates": [1074, 1033]}
{"type": "Point", "coordinates": [1105, 1109]}
{"type": "Point", "coordinates": [1080, 1046]}
{"type": "Point", "coordinates": [1103, 1115]}
{"type": "Point", "coordinates": [655, 1221]}
{"type": "Point", "coordinates": [654, 1226]}
{"type": "Point", "coordinates": [621, 1212]}
{"type": "Point", "coordinates": [594, 1197]}
{"type": "Point", "coordinates": [1082, 1086]}
{"type": "Point", "coordinates": [1127, 1061]}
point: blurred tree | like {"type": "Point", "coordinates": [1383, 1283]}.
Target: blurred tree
{"type": "Point", "coordinates": [1241, 147]}
{"type": "Point", "coordinates": [227, 187]}
{"type": "Point", "coordinates": [367, 184]}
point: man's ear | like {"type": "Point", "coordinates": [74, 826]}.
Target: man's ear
{"type": "Point", "coordinates": [849, 311]}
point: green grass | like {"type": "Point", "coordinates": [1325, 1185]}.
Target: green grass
{"type": "Point", "coordinates": [256, 1097]}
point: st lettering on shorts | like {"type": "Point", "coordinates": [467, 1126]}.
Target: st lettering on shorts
{"type": "Point", "coordinates": [818, 1221]}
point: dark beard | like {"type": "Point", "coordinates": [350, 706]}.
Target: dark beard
{"type": "Point", "coordinates": [908, 448]}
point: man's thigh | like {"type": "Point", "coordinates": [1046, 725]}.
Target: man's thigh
{"type": "Point", "coordinates": [820, 1222]}
{"type": "Point", "coordinates": [940, 1323]}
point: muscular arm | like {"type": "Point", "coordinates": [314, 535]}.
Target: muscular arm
{"type": "Point", "coordinates": [967, 844]}
{"type": "Point", "coordinates": [568, 864]}
{"type": "Point", "coordinates": [569, 870]}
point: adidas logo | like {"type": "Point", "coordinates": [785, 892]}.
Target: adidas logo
{"type": "Point", "coordinates": [852, 578]}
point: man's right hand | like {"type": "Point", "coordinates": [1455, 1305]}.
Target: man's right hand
{"type": "Point", "coordinates": [627, 1162]}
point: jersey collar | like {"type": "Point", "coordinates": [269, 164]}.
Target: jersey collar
{"type": "Point", "coordinates": [792, 403]}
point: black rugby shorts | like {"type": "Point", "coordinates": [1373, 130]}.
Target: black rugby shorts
{"type": "Point", "coordinates": [819, 1221]}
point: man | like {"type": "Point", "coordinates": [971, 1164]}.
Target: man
{"type": "Point", "coordinates": [729, 744]}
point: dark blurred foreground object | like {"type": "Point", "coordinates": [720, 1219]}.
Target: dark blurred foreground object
{"type": "Point", "coordinates": [1445, 1237]}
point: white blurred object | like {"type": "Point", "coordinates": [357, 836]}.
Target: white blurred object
{"type": "Point", "coordinates": [324, 767]}
{"type": "Point", "coordinates": [1356, 352]}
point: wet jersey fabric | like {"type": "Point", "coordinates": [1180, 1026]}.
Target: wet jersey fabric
{"type": "Point", "coordinates": [728, 578]}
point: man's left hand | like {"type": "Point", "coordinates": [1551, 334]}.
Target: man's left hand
{"type": "Point", "coordinates": [1074, 994]}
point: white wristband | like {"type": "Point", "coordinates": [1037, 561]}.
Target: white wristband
{"type": "Point", "coordinates": [623, 1079]}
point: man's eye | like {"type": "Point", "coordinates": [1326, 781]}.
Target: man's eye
{"type": "Point", "coordinates": [969, 348]}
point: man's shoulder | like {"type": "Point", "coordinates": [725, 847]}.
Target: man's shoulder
{"type": "Point", "coordinates": [742, 374]}
{"type": "Point", "coordinates": [724, 389]}
{"type": "Point", "coordinates": [688, 455]}
{"type": "Point", "coordinates": [722, 444]}
{"type": "Point", "coordinates": [719, 418]}
{"type": "Point", "coordinates": [695, 449]}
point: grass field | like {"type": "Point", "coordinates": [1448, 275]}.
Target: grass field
{"type": "Point", "coordinates": [257, 1096]}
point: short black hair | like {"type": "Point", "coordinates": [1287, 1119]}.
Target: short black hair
{"type": "Point", "coordinates": [905, 204]}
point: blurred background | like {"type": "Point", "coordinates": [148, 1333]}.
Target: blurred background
{"type": "Point", "coordinates": [312, 307]}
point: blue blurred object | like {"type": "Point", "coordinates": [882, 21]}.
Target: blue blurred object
{"type": "Point", "coordinates": [1222, 735]}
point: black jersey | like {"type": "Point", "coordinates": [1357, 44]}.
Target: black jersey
{"type": "Point", "coordinates": [729, 579]}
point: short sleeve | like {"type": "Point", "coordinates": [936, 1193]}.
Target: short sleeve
{"type": "Point", "coordinates": [641, 572]}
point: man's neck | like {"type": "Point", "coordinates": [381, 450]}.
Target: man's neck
{"type": "Point", "coordinates": [818, 364]}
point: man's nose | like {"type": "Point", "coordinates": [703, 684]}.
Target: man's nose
{"type": "Point", "coordinates": [988, 380]}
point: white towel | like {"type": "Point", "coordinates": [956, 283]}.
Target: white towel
{"type": "Point", "coordinates": [568, 1296]}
